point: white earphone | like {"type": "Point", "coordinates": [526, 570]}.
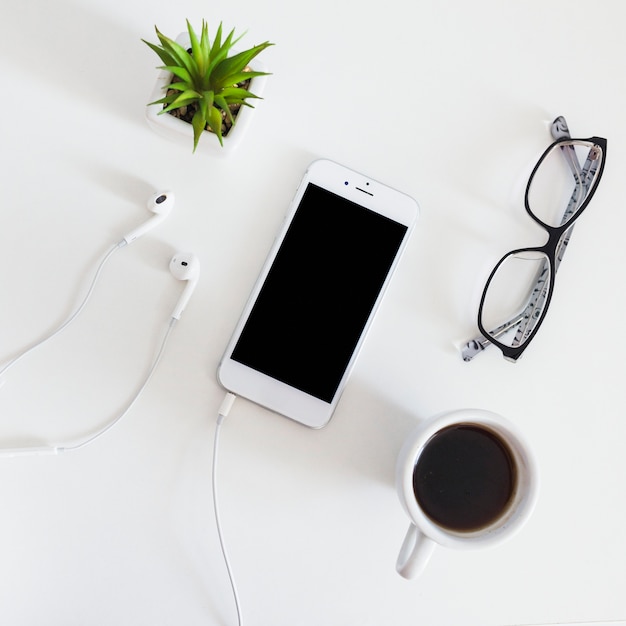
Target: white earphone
{"type": "Point", "coordinates": [161, 204]}
{"type": "Point", "coordinates": [185, 266]}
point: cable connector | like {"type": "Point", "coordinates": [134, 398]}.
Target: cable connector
{"type": "Point", "coordinates": [34, 451]}
{"type": "Point", "coordinates": [226, 406]}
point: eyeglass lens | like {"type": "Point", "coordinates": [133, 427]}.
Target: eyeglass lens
{"type": "Point", "coordinates": [513, 302]}
{"type": "Point", "coordinates": [563, 180]}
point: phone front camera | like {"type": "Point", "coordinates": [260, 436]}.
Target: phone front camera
{"type": "Point", "coordinates": [346, 183]}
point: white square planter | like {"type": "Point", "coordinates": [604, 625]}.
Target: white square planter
{"type": "Point", "coordinates": [178, 130]}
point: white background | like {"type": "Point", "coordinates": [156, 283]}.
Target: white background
{"type": "Point", "coordinates": [447, 101]}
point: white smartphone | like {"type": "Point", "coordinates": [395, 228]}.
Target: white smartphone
{"type": "Point", "coordinates": [306, 319]}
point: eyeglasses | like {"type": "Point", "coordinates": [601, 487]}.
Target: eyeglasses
{"type": "Point", "coordinates": [518, 291]}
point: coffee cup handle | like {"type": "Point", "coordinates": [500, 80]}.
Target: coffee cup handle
{"type": "Point", "coordinates": [414, 553]}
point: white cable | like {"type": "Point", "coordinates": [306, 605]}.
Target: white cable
{"type": "Point", "coordinates": [110, 425]}
{"type": "Point", "coordinates": [71, 318]}
{"type": "Point", "coordinates": [225, 407]}
{"type": "Point", "coordinates": [36, 451]}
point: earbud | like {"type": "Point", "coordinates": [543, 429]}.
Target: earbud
{"type": "Point", "coordinates": [161, 203]}
{"type": "Point", "coordinates": [185, 266]}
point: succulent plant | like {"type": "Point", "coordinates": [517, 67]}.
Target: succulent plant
{"type": "Point", "coordinates": [205, 80]}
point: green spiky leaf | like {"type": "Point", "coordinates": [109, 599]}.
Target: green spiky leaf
{"type": "Point", "coordinates": [215, 123]}
{"type": "Point", "coordinates": [179, 72]}
{"type": "Point", "coordinates": [165, 56]}
{"type": "Point", "coordinates": [235, 64]}
{"type": "Point", "coordinates": [233, 94]}
{"type": "Point", "coordinates": [205, 76]}
{"type": "Point", "coordinates": [184, 99]}
{"type": "Point", "coordinates": [220, 101]}
{"type": "Point", "coordinates": [179, 85]}
{"type": "Point", "coordinates": [208, 97]}
{"type": "Point", "coordinates": [199, 124]}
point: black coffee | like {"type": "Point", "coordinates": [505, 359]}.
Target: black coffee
{"type": "Point", "coordinates": [465, 478]}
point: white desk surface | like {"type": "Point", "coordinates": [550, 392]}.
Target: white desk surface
{"type": "Point", "coordinates": [447, 101]}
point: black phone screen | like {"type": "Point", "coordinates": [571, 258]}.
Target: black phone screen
{"type": "Point", "coordinates": [319, 293]}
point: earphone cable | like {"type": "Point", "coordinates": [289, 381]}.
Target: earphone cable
{"type": "Point", "coordinates": [227, 403]}
{"type": "Point", "coordinates": [71, 318]}
{"type": "Point", "coordinates": [136, 397]}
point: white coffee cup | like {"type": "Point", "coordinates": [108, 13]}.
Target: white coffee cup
{"type": "Point", "coordinates": [425, 532]}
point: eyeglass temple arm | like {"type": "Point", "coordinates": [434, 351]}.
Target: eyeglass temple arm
{"type": "Point", "coordinates": [559, 130]}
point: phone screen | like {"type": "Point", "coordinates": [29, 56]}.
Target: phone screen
{"type": "Point", "coordinates": [319, 293]}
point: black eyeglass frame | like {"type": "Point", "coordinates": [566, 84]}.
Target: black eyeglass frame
{"type": "Point", "coordinates": [549, 249]}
